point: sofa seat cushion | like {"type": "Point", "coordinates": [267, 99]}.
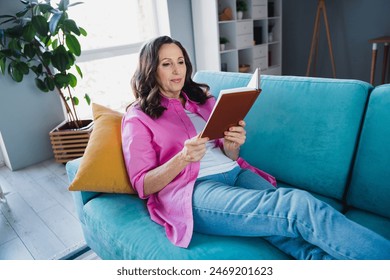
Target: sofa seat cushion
{"type": "Point", "coordinates": [379, 224]}
{"type": "Point", "coordinates": [119, 227]}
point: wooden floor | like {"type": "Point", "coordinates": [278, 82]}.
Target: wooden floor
{"type": "Point", "coordinates": [39, 220]}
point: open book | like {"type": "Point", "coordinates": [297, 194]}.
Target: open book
{"type": "Point", "coordinates": [232, 106]}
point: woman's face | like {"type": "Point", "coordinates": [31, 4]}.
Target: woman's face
{"type": "Point", "coordinates": [171, 70]}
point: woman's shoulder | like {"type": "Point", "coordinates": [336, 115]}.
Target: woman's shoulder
{"type": "Point", "coordinates": [134, 112]}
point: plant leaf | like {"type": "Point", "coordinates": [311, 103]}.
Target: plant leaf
{"type": "Point", "coordinates": [87, 98]}
{"type": "Point", "coordinates": [44, 8]}
{"type": "Point", "coordinates": [71, 26]}
{"type": "Point", "coordinates": [40, 25]}
{"type": "Point", "coordinates": [74, 4]}
{"type": "Point", "coordinates": [63, 5]}
{"type": "Point", "coordinates": [50, 83]}
{"type": "Point", "coordinates": [73, 44]}
{"type": "Point", "coordinates": [28, 32]}
{"type": "Point", "coordinates": [37, 69]}
{"type": "Point", "coordinates": [53, 23]}
{"type": "Point", "coordinates": [61, 80]}
{"type": "Point", "coordinates": [2, 65]}
{"type": "Point", "coordinates": [15, 46]}
{"type": "Point", "coordinates": [72, 80]}
{"type": "Point", "coordinates": [22, 67]}
{"type": "Point", "coordinates": [14, 72]}
{"type": "Point", "coordinates": [15, 31]}
{"type": "Point", "coordinates": [22, 13]}
{"type": "Point", "coordinates": [29, 50]}
{"type": "Point", "coordinates": [46, 58]}
{"type": "Point", "coordinates": [8, 18]}
{"type": "Point", "coordinates": [79, 71]}
{"type": "Point", "coordinates": [83, 32]}
{"type": "Point", "coordinates": [55, 44]}
{"type": "Point", "coordinates": [75, 100]}
{"type": "Point", "coordinates": [60, 59]}
{"type": "Point", "coordinates": [41, 85]}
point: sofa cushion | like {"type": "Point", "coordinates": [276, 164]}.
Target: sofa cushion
{"type": "Point", "coordinates": [379, 224]}
{"type": "Point", "coordinates": [133, 235]}
{"type": "Point", "coordinates": [370, 183]}
{"type": "Point", "coordinates": [102, 167]}
{"type": "Point", "coordinates": [301, 130]}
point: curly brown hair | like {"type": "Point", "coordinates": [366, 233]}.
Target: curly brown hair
{"type": "Point", "coordinates": [144, 82]}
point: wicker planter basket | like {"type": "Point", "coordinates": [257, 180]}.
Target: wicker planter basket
{"type": "Point", "coordinates": [69, 143]}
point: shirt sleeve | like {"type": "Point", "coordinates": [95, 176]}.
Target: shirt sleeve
{"type": "Point", "coordinates": [139, 154]}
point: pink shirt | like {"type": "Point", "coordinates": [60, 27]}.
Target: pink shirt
{"type": "Point", "coordinates": [148, 143]}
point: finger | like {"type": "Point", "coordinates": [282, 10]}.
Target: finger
{"type": "Point", "coordinates": [197, 141]}
{"type": "Point", "coordinates": [242, 123]}
{"type": "Point", "coordinates": [237, 128]}
{"type": "Point", "coordinates": [239, 133]}
{"type": "Point", "coordinates": [235, 137]}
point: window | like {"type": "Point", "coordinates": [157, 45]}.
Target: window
{"type": "Point", "coordinates": [116, 31]}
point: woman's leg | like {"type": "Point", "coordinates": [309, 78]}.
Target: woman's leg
{"type": "Point", "coordinates": [296, 247]}
{"type": "Point", "coordinates": [220, 208]}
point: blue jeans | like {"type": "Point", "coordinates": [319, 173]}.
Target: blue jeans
{"type": "Point", "coordinates": [241, 203]}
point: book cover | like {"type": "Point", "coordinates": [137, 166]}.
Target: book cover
{"type": "Point", "coordinates": [232, 105]}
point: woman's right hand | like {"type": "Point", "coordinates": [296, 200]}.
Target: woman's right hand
{"type": "Point", "coordinates": [194, 149]}
{"type": "Point", "coordinates": [156, 179]}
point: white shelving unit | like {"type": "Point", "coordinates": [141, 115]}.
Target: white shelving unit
{"type": "Point", "coordinates": [254, 41]}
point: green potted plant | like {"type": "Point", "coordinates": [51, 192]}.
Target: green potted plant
{"type": "Point", "coordinates": [222, 43]}
{"type": "Point", "coordinates": [241, 7]}
{"type": "Point", "coordinates": [43, 40]}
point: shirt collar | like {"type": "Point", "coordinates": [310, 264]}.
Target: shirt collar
{"type": "Point", "coordinates": [190, 105]}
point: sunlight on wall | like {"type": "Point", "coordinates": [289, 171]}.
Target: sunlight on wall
{"type": "Point", "coordinates": [107, 81]}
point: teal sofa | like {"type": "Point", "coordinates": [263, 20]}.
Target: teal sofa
{"type": "Point", "coordinates": [330, 137]}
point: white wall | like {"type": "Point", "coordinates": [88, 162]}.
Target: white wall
{"type": "Point", "coordinates": [180, 21]}
{"type": "Point", "coordinates": [26, 115]}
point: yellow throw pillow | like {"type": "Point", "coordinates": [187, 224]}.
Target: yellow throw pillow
{"type": "Point", "coordinates": [102, 167]}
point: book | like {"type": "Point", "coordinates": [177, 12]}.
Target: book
{"type": "Point", "coordinates": [232, 105]}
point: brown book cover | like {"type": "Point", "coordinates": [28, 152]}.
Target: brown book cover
{"type": "Point", "coordinates": [232, 106]}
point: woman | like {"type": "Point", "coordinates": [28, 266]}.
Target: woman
{"type": "Point", "coordinates": [193, 184]}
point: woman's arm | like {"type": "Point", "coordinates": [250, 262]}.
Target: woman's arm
{"type": "Point", "coordinates": [234, 138]}
{"type": "Point", "coordinates": [156, 179]}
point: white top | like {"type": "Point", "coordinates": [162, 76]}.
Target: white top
{"type": "Point", "coordinates": [214, 161]}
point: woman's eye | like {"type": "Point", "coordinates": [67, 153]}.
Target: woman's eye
{"type": "Point", "coordinates": [181, 62]}
{"type": "Point", "coordinates": [166, 64]}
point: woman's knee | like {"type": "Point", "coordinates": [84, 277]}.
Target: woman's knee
{"type": "Point", "coordinates": [301, 201]}
{"type": "Point", "coordinates": [249, 180]}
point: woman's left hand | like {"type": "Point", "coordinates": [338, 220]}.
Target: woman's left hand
{"type": "Point", "coordinates": [234, 138]}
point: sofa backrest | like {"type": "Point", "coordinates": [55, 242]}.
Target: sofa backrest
{"type": "Point", "coordinates": [302, 130]}
{"type": "Point", "coordinates": [370, 183]}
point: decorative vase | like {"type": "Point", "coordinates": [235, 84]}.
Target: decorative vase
{"type": "Point", "coordinates": [69, 143]}
{"type": "Point", "coordinates": [240, 15]}
{"type": "Point", "coordinates": [222, 47]}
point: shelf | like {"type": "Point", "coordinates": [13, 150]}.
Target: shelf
{"type": "Point", "coordinates": [250, 41]}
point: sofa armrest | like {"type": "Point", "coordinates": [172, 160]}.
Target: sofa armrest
{"type": "Point", "coordinates": [80, 197]}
